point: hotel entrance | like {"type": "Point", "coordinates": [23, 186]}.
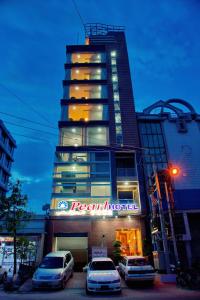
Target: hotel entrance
{"type": "Point", "coordinates": [131, 241]}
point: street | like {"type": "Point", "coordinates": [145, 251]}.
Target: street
{"type": "Point", "coordinates": [75, 290]}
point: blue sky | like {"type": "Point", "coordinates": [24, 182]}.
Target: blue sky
{"type": "Point", "coordinates": [163, 45]}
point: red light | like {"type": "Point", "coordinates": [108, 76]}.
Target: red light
{"type": "Point", "coordinates": [174, 171]}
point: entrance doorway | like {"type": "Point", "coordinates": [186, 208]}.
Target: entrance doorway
{"type": "Point", "coordinates": [78, 247]}
{"type": "Point", "coordinates": [131, 241]}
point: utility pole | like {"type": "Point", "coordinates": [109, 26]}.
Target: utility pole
{"type": "Point", "coordinates": [162, 224]}
{"type": "Point", "coordinates": [171, 223]}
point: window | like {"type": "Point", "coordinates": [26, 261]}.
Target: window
{"type": "Point", "coordinates": [87, 112]}
{"type": "Point", "coordinates": [85, 91]}
{"type": "Point", "coordinates": [97, 136]}
{"type": "Point", "coordinates": [86, 73]}
{"type": "Point", "coordinates": [87, 57]}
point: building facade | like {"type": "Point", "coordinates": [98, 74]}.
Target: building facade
{"type": "Point", "coordinates": [170, 133]}
{"type": "Point", "coordinates": [96, 197]}
{"type": "Point", "coordinates": [7, 146]}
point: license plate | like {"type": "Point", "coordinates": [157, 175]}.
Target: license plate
{"type": "Point", "coordinates": [104, 287]}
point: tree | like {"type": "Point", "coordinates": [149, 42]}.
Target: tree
{"type": "Point", "coordinates": [13, 213]}
{"type": "Point", "coordinates": [25, 249]}
{"type": "Point", "coordinates": [117, 251]}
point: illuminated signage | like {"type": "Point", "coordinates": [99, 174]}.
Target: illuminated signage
{"type": "Point", "coordinates": [106, 206]}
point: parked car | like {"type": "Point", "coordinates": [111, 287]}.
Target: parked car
{"type": "Point", "coordinates": [102, 276]}
{"type": "Point", "coordinates": [3, 274]}
{"type": "Point", "coordinates": [54, 270]}
{"type": "Point", "coordinates": [136, 268]}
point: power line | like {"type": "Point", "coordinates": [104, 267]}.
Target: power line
{"type": "Point", "coordinates": [24, 102]}
{"type": "Point", "coordinates": [29, 137]}
{"type": "Point", "coordinates": [38, 130]}
{"type": "Point", "coordinates": [78, 12]}
{"type": "Point", "coordinates": [27, 120]}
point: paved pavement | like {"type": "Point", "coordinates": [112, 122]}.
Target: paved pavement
{"type": "Point", "coordinates": [75, 290]}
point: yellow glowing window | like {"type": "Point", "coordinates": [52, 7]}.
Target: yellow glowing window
{"type": "Point", "coordinates": [84, 57]}
{"type": "Point", "coordinates": [87, 73]}
{"type": "Point", "coordinates": [131, 241]}
{"type": "Point", "coordinates": [85, 112]}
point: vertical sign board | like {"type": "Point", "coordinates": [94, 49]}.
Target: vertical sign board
{"type": "Point", "coordinates": [99, 252]}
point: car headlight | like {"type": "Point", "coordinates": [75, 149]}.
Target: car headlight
{"type": "Point", "coordinates": [91, 281]}
{"type": "Point", "coordinates": [58, 276]}
{"type": "Point", "coordinates": [35, 276]}
{"type": "Point", "coordinates": [116, 281]}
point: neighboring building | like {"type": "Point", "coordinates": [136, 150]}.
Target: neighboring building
{"type": "Point", "coordinates": [170, 133]}
{"type": "Point", "coordinates": [96, 161]}
{"type": "Point", "coordinates": [7, 145]}
{"type": "Point", "coordinates": [33, 230]}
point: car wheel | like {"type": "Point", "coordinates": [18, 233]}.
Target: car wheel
{"type": "Point", "coordinates": [119, 292]}
{"type": "Point", "coordinates": [72, 274]}
{"type": "Point", "coordinates": [63, 284]}
{"type": "Point", "coordinates": [4, 277]}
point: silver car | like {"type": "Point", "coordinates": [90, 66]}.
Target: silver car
{"type": "Point", "coordinates": [54, 271]}
{"type": "Point", "coordinates": [136, 268]}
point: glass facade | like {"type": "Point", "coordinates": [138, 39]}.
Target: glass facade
{"type": "Point", "coordinates": [85, 73]}
{"type": "Point", "coordinates": [87, 112]}
{"type": "Point", "coordinates": [84, 177]}
{"type": "Point", "coordinates": [84, 136]}
{"type": "Point", "coordinates": [86, 57]}
{"type": "Point", "coordinates": [152, 139]}
{"type": "Point", "coordinates": [118, 125]}
{"type": "Point", "coordinates": [85, 91]}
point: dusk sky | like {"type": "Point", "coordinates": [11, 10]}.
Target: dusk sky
{"type": "Point", "coordinates": [163, 39]}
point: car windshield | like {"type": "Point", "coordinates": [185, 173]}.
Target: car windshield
{"type": "Point", "coordinates": [102, 265]}
{"type": "Point", "coordinates": [52, 263]}
{"type": "Point", "coordinates": [137, 262]}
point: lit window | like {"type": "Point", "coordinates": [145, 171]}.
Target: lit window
{"type": "Point", "coordinates": [113, 61]}
{"type": "Point", "coordinates": [113, 53]}
{"type": "Point", "coordinates": [114, 78]}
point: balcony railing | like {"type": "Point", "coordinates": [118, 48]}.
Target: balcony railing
{"type": "Point", "coordinates": [126, 172]}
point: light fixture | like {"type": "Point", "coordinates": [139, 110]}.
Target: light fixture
{"type": "Point", "coordinates": [78, 55]}
{"type": "Point", "coordinates": [76, 88]}
{"type": "Point", "coordinates": [77, 71]}
{"type": "Point", "coordinates": [116, 217]}
{"type": "Point", "coordinates": [113, 53]}
{"type": "Point", "coordinates": [75, 145]}
{"type": "Point", "coordinates": [73, 129]}
{"type": "Point", "coordinates": [129, 217]}
{"type": "Point", "coordinates": [99, 107]}
{"type": "Point", "coordinates": [99, 71]}
{"type": "Point", "coordinates": [73, 168]}
{"type": "Point", "coordinates": [99, 87]}
{"type": "Point", "coordinates": [126, 183]}
{"type": "Point", "coordinates": [74, 107]}
{"type": "Point", "coordinates": [98, 56]}
{"type": "Point", "coordinates": [86, 119]}
{"type": "Point", "coordinates": [99, 129]}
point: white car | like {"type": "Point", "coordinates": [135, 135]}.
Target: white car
{"type": "Point", "coordinates": [102, 276]}
{"type": "Point", "coordinates": [3, 274]}
{"type": "Point", "coordinates": [54, 270]}
{"type": "Point", "coordinates": [136, 268]}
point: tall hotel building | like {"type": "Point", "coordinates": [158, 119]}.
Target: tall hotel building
{"type": "Point", "coordinates": [96, 197]}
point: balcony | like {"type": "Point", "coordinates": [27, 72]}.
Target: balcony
{"type": "Point", "coordinates": [85, 91]}
{"type": "Point", "coordinates": [126, 173]}
{"type": "Point", "coordinates": [86, 73]}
